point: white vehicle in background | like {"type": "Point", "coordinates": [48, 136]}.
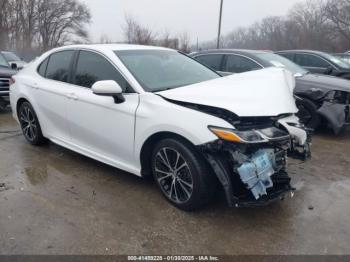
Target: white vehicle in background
{"type": "Point", "coordinates": [154, 111]}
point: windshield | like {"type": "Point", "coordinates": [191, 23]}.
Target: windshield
{"type": "Point", "coordinates": [11, 56]}
{"type": "Point", "coordinates": [337, 61]}
{"type": "Point", "coordinates": [3, 62]}
{"type": "Point", "coordinates": [280, 61]}
{"type": "Point", "coordinates": [158, 70]}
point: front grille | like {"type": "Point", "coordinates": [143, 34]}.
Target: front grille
{"type": "Point", "coordinates": [4, 86]}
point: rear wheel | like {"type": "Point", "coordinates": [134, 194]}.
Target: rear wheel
{"type": "Point", "coordinates": [30, 124]}
{"type": "Point", "coordinates": [182, 174]}
{"type": "Point", "coordinates": [308, 113]}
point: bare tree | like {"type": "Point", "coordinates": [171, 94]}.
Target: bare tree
{"type": "Point", "coordinates": [135, 33]}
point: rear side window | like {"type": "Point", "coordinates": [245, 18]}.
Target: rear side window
{"type": "Point", "coordinates": [59, 65]}
{"type": "Point", "coordinates": [92, 67]}
{"type": "Point", "coordinates": [310, 61]}
{"type": "Point", "coordinates": [239, 64]}
{"type": "Point", "coordinates": [42, 67]}
{"type": "Point", "coordinates": [212, 61]}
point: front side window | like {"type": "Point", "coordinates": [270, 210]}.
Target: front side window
{"type": "Point", "coordinates": [92, 67]}
{"type": "Point", "coordinates": [213, 61]}
{"type": "Point", "coordinates": [58, 67]}
{"type": "Point", "coordinates": [310, 61]}
{"type": "Point", "coordinates": [239, 64]}
{"type": "Point", "coordinates": [159, 70]}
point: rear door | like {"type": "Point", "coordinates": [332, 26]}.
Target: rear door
{"type": "Point", "coordinates": [100, 127]}
{"type": "Point", "coordinates": [50, 90]}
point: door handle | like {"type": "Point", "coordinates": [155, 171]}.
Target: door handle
{"type": "Point", "coordinates": [72, 96]}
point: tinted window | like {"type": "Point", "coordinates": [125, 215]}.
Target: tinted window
{"type": "Point", "coordinates": [42, 67]}
{"type": "Point", "coordinates": [58, 67]}
{"type": "Point", "coordinates": [239, 64]}
{"type": "Point", "coordinates": [212, 61]}
{"type": "Point", "coordinates": [92, 67]}
{"type": "Point", "coordinates": [289, 56]}
{"type": "Point", "coordinates": [310, 61]}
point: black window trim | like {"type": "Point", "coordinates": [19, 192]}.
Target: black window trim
{"type": "Point", "coordinates": [75, 63]}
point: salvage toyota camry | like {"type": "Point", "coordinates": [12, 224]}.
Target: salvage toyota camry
{"type": "Point", "coordinates": [155, 111]}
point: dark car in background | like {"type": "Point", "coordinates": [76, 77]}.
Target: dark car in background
{"type": "Point", "coordinates": [5, 76]}
{"type": "Point", "coordinates": [318, 62]}
{"type": "Point", "coordinates": [318, 97]}
{"type": "Point", "coordinates": [14, 60]}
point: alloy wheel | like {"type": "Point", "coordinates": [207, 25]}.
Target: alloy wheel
{"type": "Point", "coordinates": [173, 175]}
{"type": "Point", "coordinates": [28, 123]}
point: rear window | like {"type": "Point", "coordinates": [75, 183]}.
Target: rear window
{"type": "Point", "coordinates": [212, 61]}
{"type": "Point", "coordinates": [59, 65]}
{"type": "Point", "coordinates": [42, 67]}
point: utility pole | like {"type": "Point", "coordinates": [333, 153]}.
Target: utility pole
{"type": "Point", "coordinates": [219, 31]}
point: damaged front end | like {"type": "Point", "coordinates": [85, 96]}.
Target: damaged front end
{"type": "Point", "coordinates": [336, 109]}
{"type": "Point", "coordinates": [250, 161]}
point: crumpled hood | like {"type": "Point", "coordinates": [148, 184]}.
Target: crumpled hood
{"type": "Point", "coordinates": [267, 92]}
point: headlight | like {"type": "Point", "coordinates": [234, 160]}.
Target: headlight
{"type": "Point", "coordinates": [236, 136]}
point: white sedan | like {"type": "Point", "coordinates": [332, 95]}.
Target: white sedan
{"type": "Point", "coordinates": [154, 111]}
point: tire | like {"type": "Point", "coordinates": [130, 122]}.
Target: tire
{"type": "Point", "coordinates": [308, 113]}
{"type": "Point", "coordinates": [30, 124]}
{"type": "Point", "coordinates": [191, 186]}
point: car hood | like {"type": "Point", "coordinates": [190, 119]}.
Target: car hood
{"type": "Point", "coordinates": [267, 92]}
{"type": "Point", "coordinates": [7, 72]}
{"type": "Point", "coordinates": [317, 86]}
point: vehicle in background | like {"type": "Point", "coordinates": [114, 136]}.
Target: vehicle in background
{"type": "Point", "coordinates": [14, 61]}
{"type": "Point", "coordinates": [343, 56]}
{"type": "Point", "coordinates": [318, 97]}
{"type": "Point", "coordinates": [151, 110]}
{"type": "Point", "coordinates": [318, 62]}
{"type": "Point", "coordinates": [5, 77]}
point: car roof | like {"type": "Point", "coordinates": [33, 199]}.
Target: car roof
{"type": "Point", "coordinates": [229, 51]}
{"type": "Point", "coordinates": [112, 47]}
{"type": "Point", "coordinates": [302, 51]}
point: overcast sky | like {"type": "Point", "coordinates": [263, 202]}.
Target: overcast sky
{"type": "Point", "coordinates": [197, 17]}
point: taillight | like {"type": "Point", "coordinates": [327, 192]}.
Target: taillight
{"type": "Point", "coordinates": [12, 81]}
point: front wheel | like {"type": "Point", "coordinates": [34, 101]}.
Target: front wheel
{"type": "Point", "coordinates": [30, 124]}
{"type": "Point", "coordinates": [182, 174]}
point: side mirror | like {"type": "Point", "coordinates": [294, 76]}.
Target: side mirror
{"type": "Point", "coordinates": [109, 88]}
{"type": "Point", "coordinates": [14, 66]}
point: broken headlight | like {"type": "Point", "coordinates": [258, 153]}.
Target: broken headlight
{"type": "Point", "coordinates": [249, 136]}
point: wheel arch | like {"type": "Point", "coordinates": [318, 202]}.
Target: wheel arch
{"type": "Point", "coordinates": [149, 144]}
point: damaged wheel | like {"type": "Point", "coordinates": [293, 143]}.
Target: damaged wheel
{"type": "Point", "coordinates": [181, 174]}
{"type": "Point", "coordinates": [308, 113]}
{"type": "Point", "coordinates": [30, 124]}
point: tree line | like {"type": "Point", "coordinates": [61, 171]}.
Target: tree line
{"type": "Point", "coordinates": [314, 24]}
{"type": "Point", "coordinates": [27, 25]}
